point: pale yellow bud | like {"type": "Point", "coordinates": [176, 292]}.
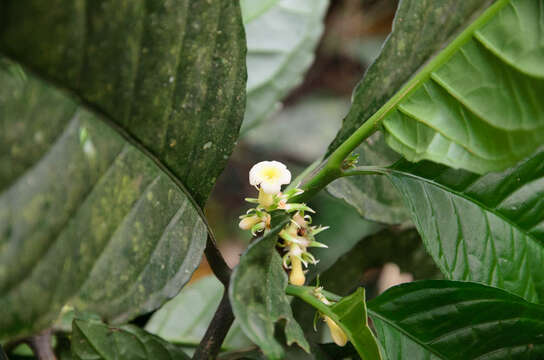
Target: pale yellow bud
{"type": "Point", "coordinates": [296, 277]}
{"type": "Point", "coordinates": [248, 222]}
{"type": "Point", "coordinates": [337, 334]}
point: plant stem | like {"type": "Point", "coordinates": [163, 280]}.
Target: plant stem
{"type": "Point", "coordinates": [215, 334]}
{"type": "Point", "coordinates": [41, 346]}
{"type": "Point", "coordinates": [218, 264]}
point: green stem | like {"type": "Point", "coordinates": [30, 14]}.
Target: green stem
{"type": "Point", "coordinates": [332, 167]}
{"type": "Point", "coordinates": [305, 293]}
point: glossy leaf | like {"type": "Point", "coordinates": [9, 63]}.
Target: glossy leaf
{"type": "Point", "coordinates": [257, 295]}
{"type": "Point", "coordinates": [281, 38]}
{"type": "Point", "coordinates": [420, 28]}
{"type": "Point", "coordinates": [372, 195]}
{"type": "Point", "coordinates": [92, 339]}
{"type": "Point", "coordinates": [164, 72]}
{"type": "Point", "coordinates": [93, 207]}
{"type": "Point", "coordinates": [185, 318]}
{"type": "Point", "coordinates": [350, 314]}
{"type": "Point", "coordinates": [481, 228]}
{"type": "Point", "coordinates": [457, 320]}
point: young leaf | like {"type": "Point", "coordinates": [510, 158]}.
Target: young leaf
{"type": "Point", "coordinates": [439, 319]}
{"type": "Point", "coordinates": [257, 294]}
{"type": "Point", "coordinates": [93, 206]}
{"type": "Point", "coordinates": [185, 318]}
{"type": "Point", "coordinates": [91, 339]}
{"type": "Point", "coordinates": [420, 28]}
{"type": "Point", "coordinates": [281, 38]}
{"type": "Point", "coordinates": [481, 228]}
{"type": "Point", "coordinates": [350, 314]}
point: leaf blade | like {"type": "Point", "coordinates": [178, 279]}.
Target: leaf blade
{"type": "Point", "coordinates": [462, 327]}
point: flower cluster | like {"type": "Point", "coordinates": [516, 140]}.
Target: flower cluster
{"type": "Point", "coordinates": [268, 177]}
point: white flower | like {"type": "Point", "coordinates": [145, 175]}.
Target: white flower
{"type": "Point", "coordinates": [270, 176]}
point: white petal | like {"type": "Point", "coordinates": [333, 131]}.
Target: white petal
{"type": "Point", "coordinates": [255, 177]}
{"type": "Point", "coordinates": [271, 187]}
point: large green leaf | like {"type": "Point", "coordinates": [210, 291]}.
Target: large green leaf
{"type": "Point", "coordinates": [456, 320]}
{"type": "Point", "coordinates": [92, 217]}
{"type": "Point", "coordinates": [373, 196]}
{"type": "Point", "coordinates": [257, 295]}
{"type": "Point", "coordinates": [165, 72]}
{"type": "Point", "coordinates": [281, 38]}
{"type": "Point", "coordinates": [487, 228]}
{"type": "Point", "coordinates": [92, 205]}
{"type": "Point", "coordinates": [472, 107]}
{"type": "Point", "coordinates": [185, 318]}
{"type": "Point", "coordinates": [419, 30]}
{"type": "Point", "coordinates": [92, 339]}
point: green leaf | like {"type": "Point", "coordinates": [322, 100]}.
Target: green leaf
{"type": "Point", "coordinates": [164, 72]}
{"type": "Point", "coordinates": [257, 294]}
{"type": "Point", "coordinates": [487, 228]}
{"type": "Point", "coordinates": [457, 320]}
{"type": "Point", "coordinates": [350, 314]}
{"type": "Point", "coordinates": [93, 207]}
{"type": "Point", "coordinates": [185, 318]}
{"type": "Point", "coordinates": [91, 219]}
{"type": "Point", "coordinates": [92, 339]}
{"type": "Point", "coordinates": [281, 38]}
{"type": "Point", "coordinates": [372, 196]}
{"type": "Point", "coordinates": [419, 30]}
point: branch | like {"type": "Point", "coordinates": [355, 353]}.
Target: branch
{"type": "Point", "coordinates": [215, 334]}
{"type": "Point", "coordinates": [41, 345]}
{"type": "Point", "coordinates": [218, 264]}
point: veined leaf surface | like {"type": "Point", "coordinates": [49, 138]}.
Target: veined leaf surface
{"type": "Point", "coordinates": [92, 339]}
{"type": "Point", "coordinates": [93, 207]}
{"type": "Point", "coordinates": [439, 319]}
{"type": "Point", "coordinates": [487, 229]}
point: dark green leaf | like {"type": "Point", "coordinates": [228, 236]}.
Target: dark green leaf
{"type": "Point", "coordinates": [93, 206]}
{"type": "Point", "coordinates": [165, 72]}
{"type": "Point", "coordinates": [481, 228]}
{"type": "Point", "coordinates": [373, 196]}
{"type": "Point", "coordinates": [92, 339]}
{"type": "Point", "coordinates": [457, 320]}
{"type": "Point", "coordinates": [90, 219]}
{"type": "Point", "coordinates": [257, 295]}
{"type": "Point", "coordinates": [185, 318]}
{"type": "Point", "coordinates": [419, 30]}
{"type": "Point", "coordinates": [281, 38]}
{"type": "Point", "coordinates": [350, 314]}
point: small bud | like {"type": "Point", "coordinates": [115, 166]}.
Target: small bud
{"type": "Point", "coordinates": [248, 222]}
{"type": "Point", "coordinates": [296, 277]}
{"type": "Point", "coordinates": [337, 334]}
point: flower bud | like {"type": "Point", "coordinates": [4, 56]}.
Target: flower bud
{"type": "Point", "coordinates": [337, 334]}
{"type": "Point", "coordinates": [296, 277]}
{"type": "Point", "coordinates": [248, 222]}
